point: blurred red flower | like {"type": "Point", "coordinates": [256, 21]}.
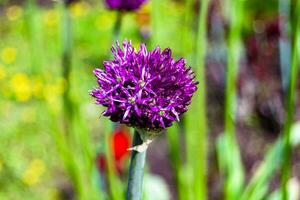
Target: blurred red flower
{"type": "Point", "coordinates": [120, 142]}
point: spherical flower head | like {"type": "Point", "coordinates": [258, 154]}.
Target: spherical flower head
{"type": "Point", "coordinates": [127, 5]}
{"type": "Point", "coordinates": [145, 90]}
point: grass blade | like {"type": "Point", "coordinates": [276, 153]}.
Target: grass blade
{"type": "Point", "coordinates": [290, 105]}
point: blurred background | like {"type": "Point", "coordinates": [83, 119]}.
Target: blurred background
{"type": "Point", "coordinates": [55, 145]}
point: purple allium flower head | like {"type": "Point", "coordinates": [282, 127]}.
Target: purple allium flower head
{"type": "Point", "coordinates": [146, 90]}
{"type": "Point", "coordinates": [128, 5]}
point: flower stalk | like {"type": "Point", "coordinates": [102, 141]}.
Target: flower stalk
{"type": "Point", "coordinates": [136, 170]}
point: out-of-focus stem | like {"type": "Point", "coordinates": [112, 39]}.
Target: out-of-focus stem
{"type": "Point", "coordinates": [117, 27]}
{"type": "Point", "coordinates": [196, 121]}
{"type": "Point", "coordinates": [290, 105]}
{"type": "Point", "coordinates": [136, 171]}
{"type": "Point", "coordinates": [284, 41]}
{"type": "Point", "coordinates": [234, 49]}
{"type": "Point", "coordinates": [67, 62]}
{"type": "Point", "coordinates": [187, 44]}
{"type": "Point", "coordinates": [34, 35]}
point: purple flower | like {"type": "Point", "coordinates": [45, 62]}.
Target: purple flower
{"type": "Point", "coordinates": [128, 5]}
{"type": "Point", "coordinates": [146, 90]}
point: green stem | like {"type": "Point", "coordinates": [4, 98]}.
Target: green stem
{"type": "Point", "coordinates": [234, 49]}
{"type": "Point", "coordinates": [70, 135]}
{"type": "Point", "coordinates": [35, 35]}
{"type": "Point", "coordinates": [117, 27]}
{"type": "Point", "coordinates": [187, 34]}
{"type": "Point", "coordinates": [290, 106]}
{"type": "Point", "coordinates": [196, 119]}
{"type": "Point", "coordinates": [284, 8]}
{"type": "Point", "coordinates": [136, 171]}
{"type": "Point", "coordinates": [67, 63]}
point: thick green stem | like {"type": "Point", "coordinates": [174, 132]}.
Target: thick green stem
{"type": "Point", "coordinates": [136, 171]}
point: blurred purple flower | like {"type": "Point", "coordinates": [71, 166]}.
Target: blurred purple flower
{"type": "Point", "coordinates": [128, 5]}
{"type": "Point", "coordinates": [146, 90]}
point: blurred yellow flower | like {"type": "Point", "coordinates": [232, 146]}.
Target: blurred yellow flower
{"type": "Point", "coordinates": [61, 85]}
{"type": "Point", "coordinates": [8, 55]}
{"type": "Point", "coordinates": [21, 86]}
{"type": "Point", "coordinates": [79, 9]}
{"type": "Point", "coordinates": [52, 94]}
{"type": "Point", "coordinates": [104, 21]}
{"type": "Point", "coordinates": [2, 72]}
{"type": "Point", "coordinates": [14, 12]}
{"type": "Point", "coordinates": [34, 171]}
{"type": "Point", "coordinates": [55, 89]}
{"type": "Point", "coordinates": [51, 18]}
{"type": "Point", "coordinates": [37, 87]}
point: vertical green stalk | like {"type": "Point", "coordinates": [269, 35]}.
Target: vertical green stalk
{"type": "Point", "coordinates": [67, 62]}
{"type": "Point", "coordinates": [284, 8]}
{"type": "Point", "coordinates": [117, 27]}
{"type": "Point", "coordinates": [71, 136]}
{"type": "Point", "coordinates": [35, 35]}
{"type": "Point", "coordinates": [187, 42]}
{"type": "Point", "coordinates": [234, 49]}
{"type": "Point", "coordinates": [136, 171]}
{"type": "Point", "coordinates": [196, 119]}
{"type": "Point", "coordinates": [290, 105]}
{"type": "Point", "coordinates": [115, 187]}
{"type": "Point", "coordinates": [76, 134]}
